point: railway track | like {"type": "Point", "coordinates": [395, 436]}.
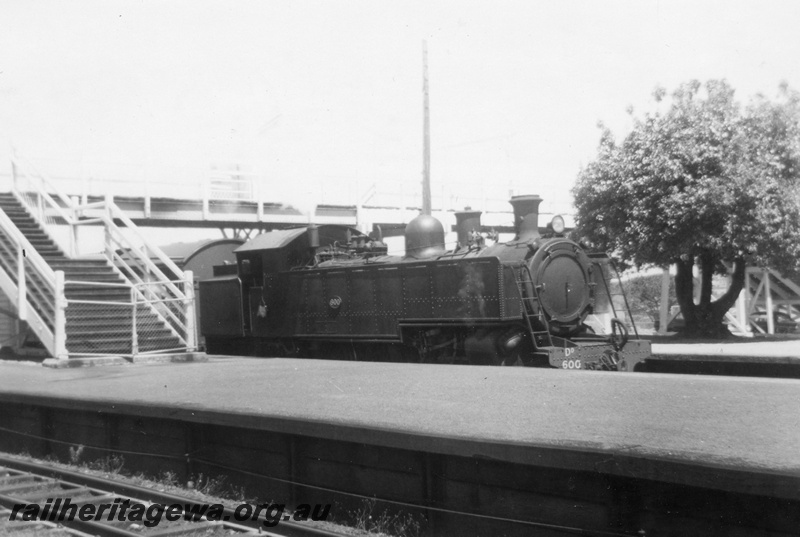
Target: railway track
{"type": "Point", "coordinates": [24, 482]}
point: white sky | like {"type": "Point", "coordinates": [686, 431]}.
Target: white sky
{"type": "Point", "coordinates": [311, 90]}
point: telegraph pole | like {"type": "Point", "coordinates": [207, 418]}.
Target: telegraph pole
{"type": "Point", "coordinates": [426, 145]}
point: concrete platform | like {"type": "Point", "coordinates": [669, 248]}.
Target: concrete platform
{"type": "Point", "coordinates": [732, 434]}
{"type": "Point", "coordinates": [768, 349]}
{"type": "Point", "coordinates": [97, 361]}
{"type": "Point", "coordinates": [765, 356]}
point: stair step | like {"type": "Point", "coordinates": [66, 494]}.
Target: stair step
{"type": "Point", "coordinates": [68, 265]}
{"type": "Point", "coordinates": [74, 289]}
{"type": "Point", "coordinates": [101, 341]}
{"type": "Point", "coordinates": [84, 314]}
{"type": "Point", "coordinates": [124, 339]}
{"type": "Point", "coordinates": [109, 323]}
{"type": "Point", "coordinates": [75, 326]}
{"type": "Point", "coordinates": [74, 268]}
{"type": "Point", "coordinates": [104, 277]}
{"type": "Point", "coordinates": [104, 313]}
{"type": "Point", "coordinates": [99, 290]}
{"type": "Point", "coordinates": [89, 297]}
{"type": "Point", "coordinates": [116, 319]}
{"type": "Point", "coordinates": [86, 262]}
{"type": "Point", "coordinates": [15, 211]}
{"type": "Point", "coordinates": [14, 206]}
{"type": "Point", "coordinates": [26, 221]}
{"type": "Point", "coordinates": [73, 274]}
{"type": "Point", "coordinates": [87, 273]}
{"type": "Point", "coordinates": [119, 334]}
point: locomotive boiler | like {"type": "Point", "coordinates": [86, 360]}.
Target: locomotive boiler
{"type": "Point", "coordinates": [330, 291]}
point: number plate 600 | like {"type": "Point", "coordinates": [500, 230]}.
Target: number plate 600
{"type": "Point", "coordinates": [571, 364]}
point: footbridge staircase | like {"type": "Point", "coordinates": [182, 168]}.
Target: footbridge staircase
{"type": "Point", "coordinates": [116, 303]}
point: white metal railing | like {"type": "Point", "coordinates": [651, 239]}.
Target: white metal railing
{"type": "Point", "coordinates": [49, 204]}
{"type": "Point", "coordinates": [772, 292]}
{"type": "Point", "coordinates": [237, 184]}
{"type": "Point", "coordinates": [140, 323]}
{"type": "Point", "coordinates": [36, 290]}
{"type": "Point", "coordinates": [45, 201]}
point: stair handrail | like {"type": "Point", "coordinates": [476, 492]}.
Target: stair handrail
{"type": "Point", "coordinates": [116, 213]}
{"type": "Point", "coordinates": [110, 213]}
{"type": "Point", "coordinates": [137, 283]}
{"type": "Point", "coordinates": [111, 207]}
{"type": "Point", "coordinates": [30, 252]}
{"type": "Point", "coordinates": [54, 340]}
{"type": "Point", "coordinates": [65, 199]}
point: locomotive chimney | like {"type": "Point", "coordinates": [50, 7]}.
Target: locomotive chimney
{"type": "Point", "coordinates": [526, 216]}
{"type": "Point", "coordinates": [467, 221]}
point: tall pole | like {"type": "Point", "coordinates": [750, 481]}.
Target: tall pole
{"type": "Point", "coordinates": [426, 146]}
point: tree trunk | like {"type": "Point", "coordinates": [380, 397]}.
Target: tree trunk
{"type": "Point", "coordinates": [705, 319]}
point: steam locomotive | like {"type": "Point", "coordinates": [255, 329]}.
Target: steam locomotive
{"type": "Point", "coordinates": [330, 291]}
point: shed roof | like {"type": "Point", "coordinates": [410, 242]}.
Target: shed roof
{"type": "Point", "coordinates": [272, 240]}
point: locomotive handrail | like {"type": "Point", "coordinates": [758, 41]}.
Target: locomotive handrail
{"type": "Point", "coordinates": [619, 344]}
{"type": "Point", "coordinates": [625, 299]}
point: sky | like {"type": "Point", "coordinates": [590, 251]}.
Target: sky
{"type": "Point", "coordinates": [313, 93]}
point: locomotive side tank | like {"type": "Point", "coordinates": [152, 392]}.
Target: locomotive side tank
{"type": "Point", "coordinates": [332, 292]}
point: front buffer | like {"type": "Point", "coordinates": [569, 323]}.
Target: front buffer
{"type": "Point", "coordinates": [599, 356]}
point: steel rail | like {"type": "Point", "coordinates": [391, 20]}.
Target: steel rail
{"type": "Point", "coordinates": [5, 525]}
{"type": "Point", "coordinates": [121, 489]}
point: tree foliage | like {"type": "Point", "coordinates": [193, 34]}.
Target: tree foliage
{"type": "Point", "coordinates": [708, 181]}
{"type": "Point", "coordinates": [644, 295]}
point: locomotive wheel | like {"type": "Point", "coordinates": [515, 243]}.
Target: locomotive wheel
{"type": "Point", "coordinates": [514, 360]}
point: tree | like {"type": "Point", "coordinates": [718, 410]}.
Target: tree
{"type": "Point", "coordinates": [644, 295]}
{"type": "Point", "coordinates": [705, 182]}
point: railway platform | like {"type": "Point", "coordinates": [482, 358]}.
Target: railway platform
{"type": "Point", "coordinates": [471, 450]}
{"type": "Point", "coordinates": [761, 356]}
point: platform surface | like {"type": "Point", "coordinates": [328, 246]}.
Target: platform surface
{"type": "Point", "coordinates": [740, 424]}
{"type": "Point", "coordinates": [766, 349]}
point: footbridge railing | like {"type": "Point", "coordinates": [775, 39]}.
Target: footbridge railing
{"type": "Point", "coordinates": [128, 252]}
{"type": "Point", "coordinates": [132, 322]}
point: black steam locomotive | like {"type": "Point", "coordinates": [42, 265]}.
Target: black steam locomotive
{"type": "Point", "coordinates": [331, 291]}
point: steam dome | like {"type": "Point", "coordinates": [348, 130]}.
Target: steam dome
{"type": "Point", "coordinates": [424, 237]}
